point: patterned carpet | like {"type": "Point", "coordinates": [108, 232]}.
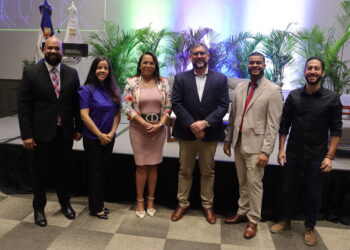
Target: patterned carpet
{"type": "Point", "coordinates": [123, 230]}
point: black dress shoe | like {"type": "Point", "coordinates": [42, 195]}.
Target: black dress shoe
{"type": "Point", "coordinates": [39, 218]}
{"type": "Point", "coordinates": [103, 215]}
{"type": "Point", "coordinates": [68, 211]}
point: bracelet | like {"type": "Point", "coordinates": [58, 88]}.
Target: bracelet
{"type": "Point", "coordinates": [330, 156]}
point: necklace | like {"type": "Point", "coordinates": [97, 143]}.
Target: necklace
{"type": "Point", "coordinates": [147, 84]}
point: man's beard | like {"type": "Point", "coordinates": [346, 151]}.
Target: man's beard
{"type": "Point", "coordinates": [54, 61]}
{"type": "Point", "coordinates": [313, 82]}
{"type": "Point", "coordinates": [258, 76]}
{"type": "Point", "coordinates": [200, 67]}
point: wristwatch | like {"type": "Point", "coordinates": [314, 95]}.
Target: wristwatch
{"type": "Point", "coordinates": [207, 124]}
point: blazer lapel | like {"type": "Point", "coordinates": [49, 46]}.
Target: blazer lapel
{"type": "Point", "coordinates": [62, 78]}
{"type": "Point", "coordinates": [47, 81]}
{"type": "Point", "coordinates": [193, 86]}
{"type": "Point", "coordinates": [207, 86]}
{"type": "Point", "coordinates": [259, 90]}
{"type": "Point", "coordinates": [243, 94]}
{"type": "Point", "coordinates": [137, 90]}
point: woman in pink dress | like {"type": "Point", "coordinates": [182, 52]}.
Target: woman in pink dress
{"type": "Point", "coordinates": [148, 106]}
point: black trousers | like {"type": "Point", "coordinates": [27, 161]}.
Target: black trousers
{"type": "Point", "coordinates": [98, 159]}
{"type": "Point", "coordinates": [52, 157]}
{"type": "Point", "coordinates": [314, 178]}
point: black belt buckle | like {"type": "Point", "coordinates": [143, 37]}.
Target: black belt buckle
{"type": "Point", "coordinates": [152, 117]}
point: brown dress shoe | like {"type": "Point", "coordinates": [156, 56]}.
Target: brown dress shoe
{"type": "Point", "coordinates": [209, 215]}
{"type": "Point", "coordinates": [236, 219]}
{"type": "Point", "coordinates": [281, 226]}
{"type": "Point", "coordinates": [250, 230]}
{"type": "Point", "coordinates": [178, 213]}
{"type": "Point", "coordinates": [310, 237]}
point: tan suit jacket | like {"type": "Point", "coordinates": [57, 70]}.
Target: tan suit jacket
{"type": "Point", "coordinates": [261, 119]}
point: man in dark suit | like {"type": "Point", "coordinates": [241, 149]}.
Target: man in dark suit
{"type": "Point", "coordinates": [200, 101]}
{"type": "Point", "coordinates": [48, 113]}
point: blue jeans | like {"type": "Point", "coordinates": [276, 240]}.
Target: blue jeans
{"type": "Point", "coordinates": [314, 179]}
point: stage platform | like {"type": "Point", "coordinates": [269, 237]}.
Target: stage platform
{"type": "Point", "coordinates": [16, 165]}
{"type": "Point", "coordinates": [9, 134]}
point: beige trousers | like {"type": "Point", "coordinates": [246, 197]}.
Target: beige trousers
{"type": "Point", "coordinates": [250, 183]}
{"type": "Point", "coordinates": [205, 151]}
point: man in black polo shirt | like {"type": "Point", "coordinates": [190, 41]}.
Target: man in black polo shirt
{"type": "Point", "coordinates": [314, 113]}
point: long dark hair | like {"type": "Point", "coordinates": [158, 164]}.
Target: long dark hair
{"type": "Point", "coordinates": [109, 82]}
{"type": "Point", "coordinates": [156, 73]}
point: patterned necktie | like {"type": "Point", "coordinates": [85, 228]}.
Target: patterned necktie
{"type": "Point", "coordinates": [249, 98]}
{"type": "Point", "coordinates": [56, 86]}
{"type": "Point", "coordinates": [55, 81]}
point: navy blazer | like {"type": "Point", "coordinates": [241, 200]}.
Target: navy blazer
{"type": "Point", "coordinates": [188, 109]}
{"type": "Point", "coordinates": [38, 106]}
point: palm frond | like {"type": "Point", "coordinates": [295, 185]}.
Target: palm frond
{"type": "Point", "coordinates": [238, 49]}
{"type": "Point", "coordinates": [119, 46]}
{"type": "Point", "coordinates": [344, 16]}
{"type": "Point", "coordinates": [310, 42]}
{"type": "Point", "coordinates": [279, 46]}
{"type": "Point", "coordinates": [316, 42]}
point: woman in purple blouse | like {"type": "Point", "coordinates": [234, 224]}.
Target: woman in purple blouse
{"type": "Point", "coordinates": [100, 105]}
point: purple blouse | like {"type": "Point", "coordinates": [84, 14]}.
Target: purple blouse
{"type": "Point", "coordinates": [101, 108]}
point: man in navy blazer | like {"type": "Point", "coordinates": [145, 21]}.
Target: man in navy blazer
{"type": "Point", "coordinates": [49, 119]}
{"type": "Point", "coordinates": [200, 101]}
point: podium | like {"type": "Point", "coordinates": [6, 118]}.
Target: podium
{"type": "Point", "coordinates": [73, 52]}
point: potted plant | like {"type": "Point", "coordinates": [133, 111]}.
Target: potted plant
{"type": "Point", "coordinates": [238, 48]}
{"type": "Point", "coordinates": [118, 45]}
{"type": "Point", "coordinates": [279, 47]}
{"type": "Point", "coordinates": [180, 45]}
{"type": "Point", "coordinates": [26, 63]}
{"type": "Point", "coordinates": [315, 42]}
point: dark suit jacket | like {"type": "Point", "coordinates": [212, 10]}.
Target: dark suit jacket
{"type": "Point", "coordinates": [188, 108]}
{"type": "Point", "coordinates": [38, 106]}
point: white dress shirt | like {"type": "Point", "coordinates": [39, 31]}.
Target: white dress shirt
{"type": "Point", "coordinates": [200, 82]}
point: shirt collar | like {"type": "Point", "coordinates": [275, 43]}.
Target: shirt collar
{"type": "Point", "coordinates": [318, 92]}
{"type": "Point", "coordinates": [50, 67]}
{"type": "Point", "coordinates": [259, 81]}
{"type": "Point", "coordinates": [202, 76]}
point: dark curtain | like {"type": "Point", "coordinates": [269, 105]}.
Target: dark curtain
{"type": "Point", "coordinates": [16, 165]}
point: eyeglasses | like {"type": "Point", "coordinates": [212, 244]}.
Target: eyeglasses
{"type": "Point", "coordinates": [199, 53]}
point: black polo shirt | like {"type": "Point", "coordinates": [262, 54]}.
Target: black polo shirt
{"type": "Point", "coordinates": [311, 120]}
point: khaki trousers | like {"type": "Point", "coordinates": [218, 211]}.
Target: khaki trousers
{"type": "Point", "coordinates": [250, 183]}
{"type": "Point", "coordinates": [188, 153]}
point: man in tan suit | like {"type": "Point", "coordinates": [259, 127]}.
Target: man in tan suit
{"type": "Point", "coordinates": [252, 130]}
